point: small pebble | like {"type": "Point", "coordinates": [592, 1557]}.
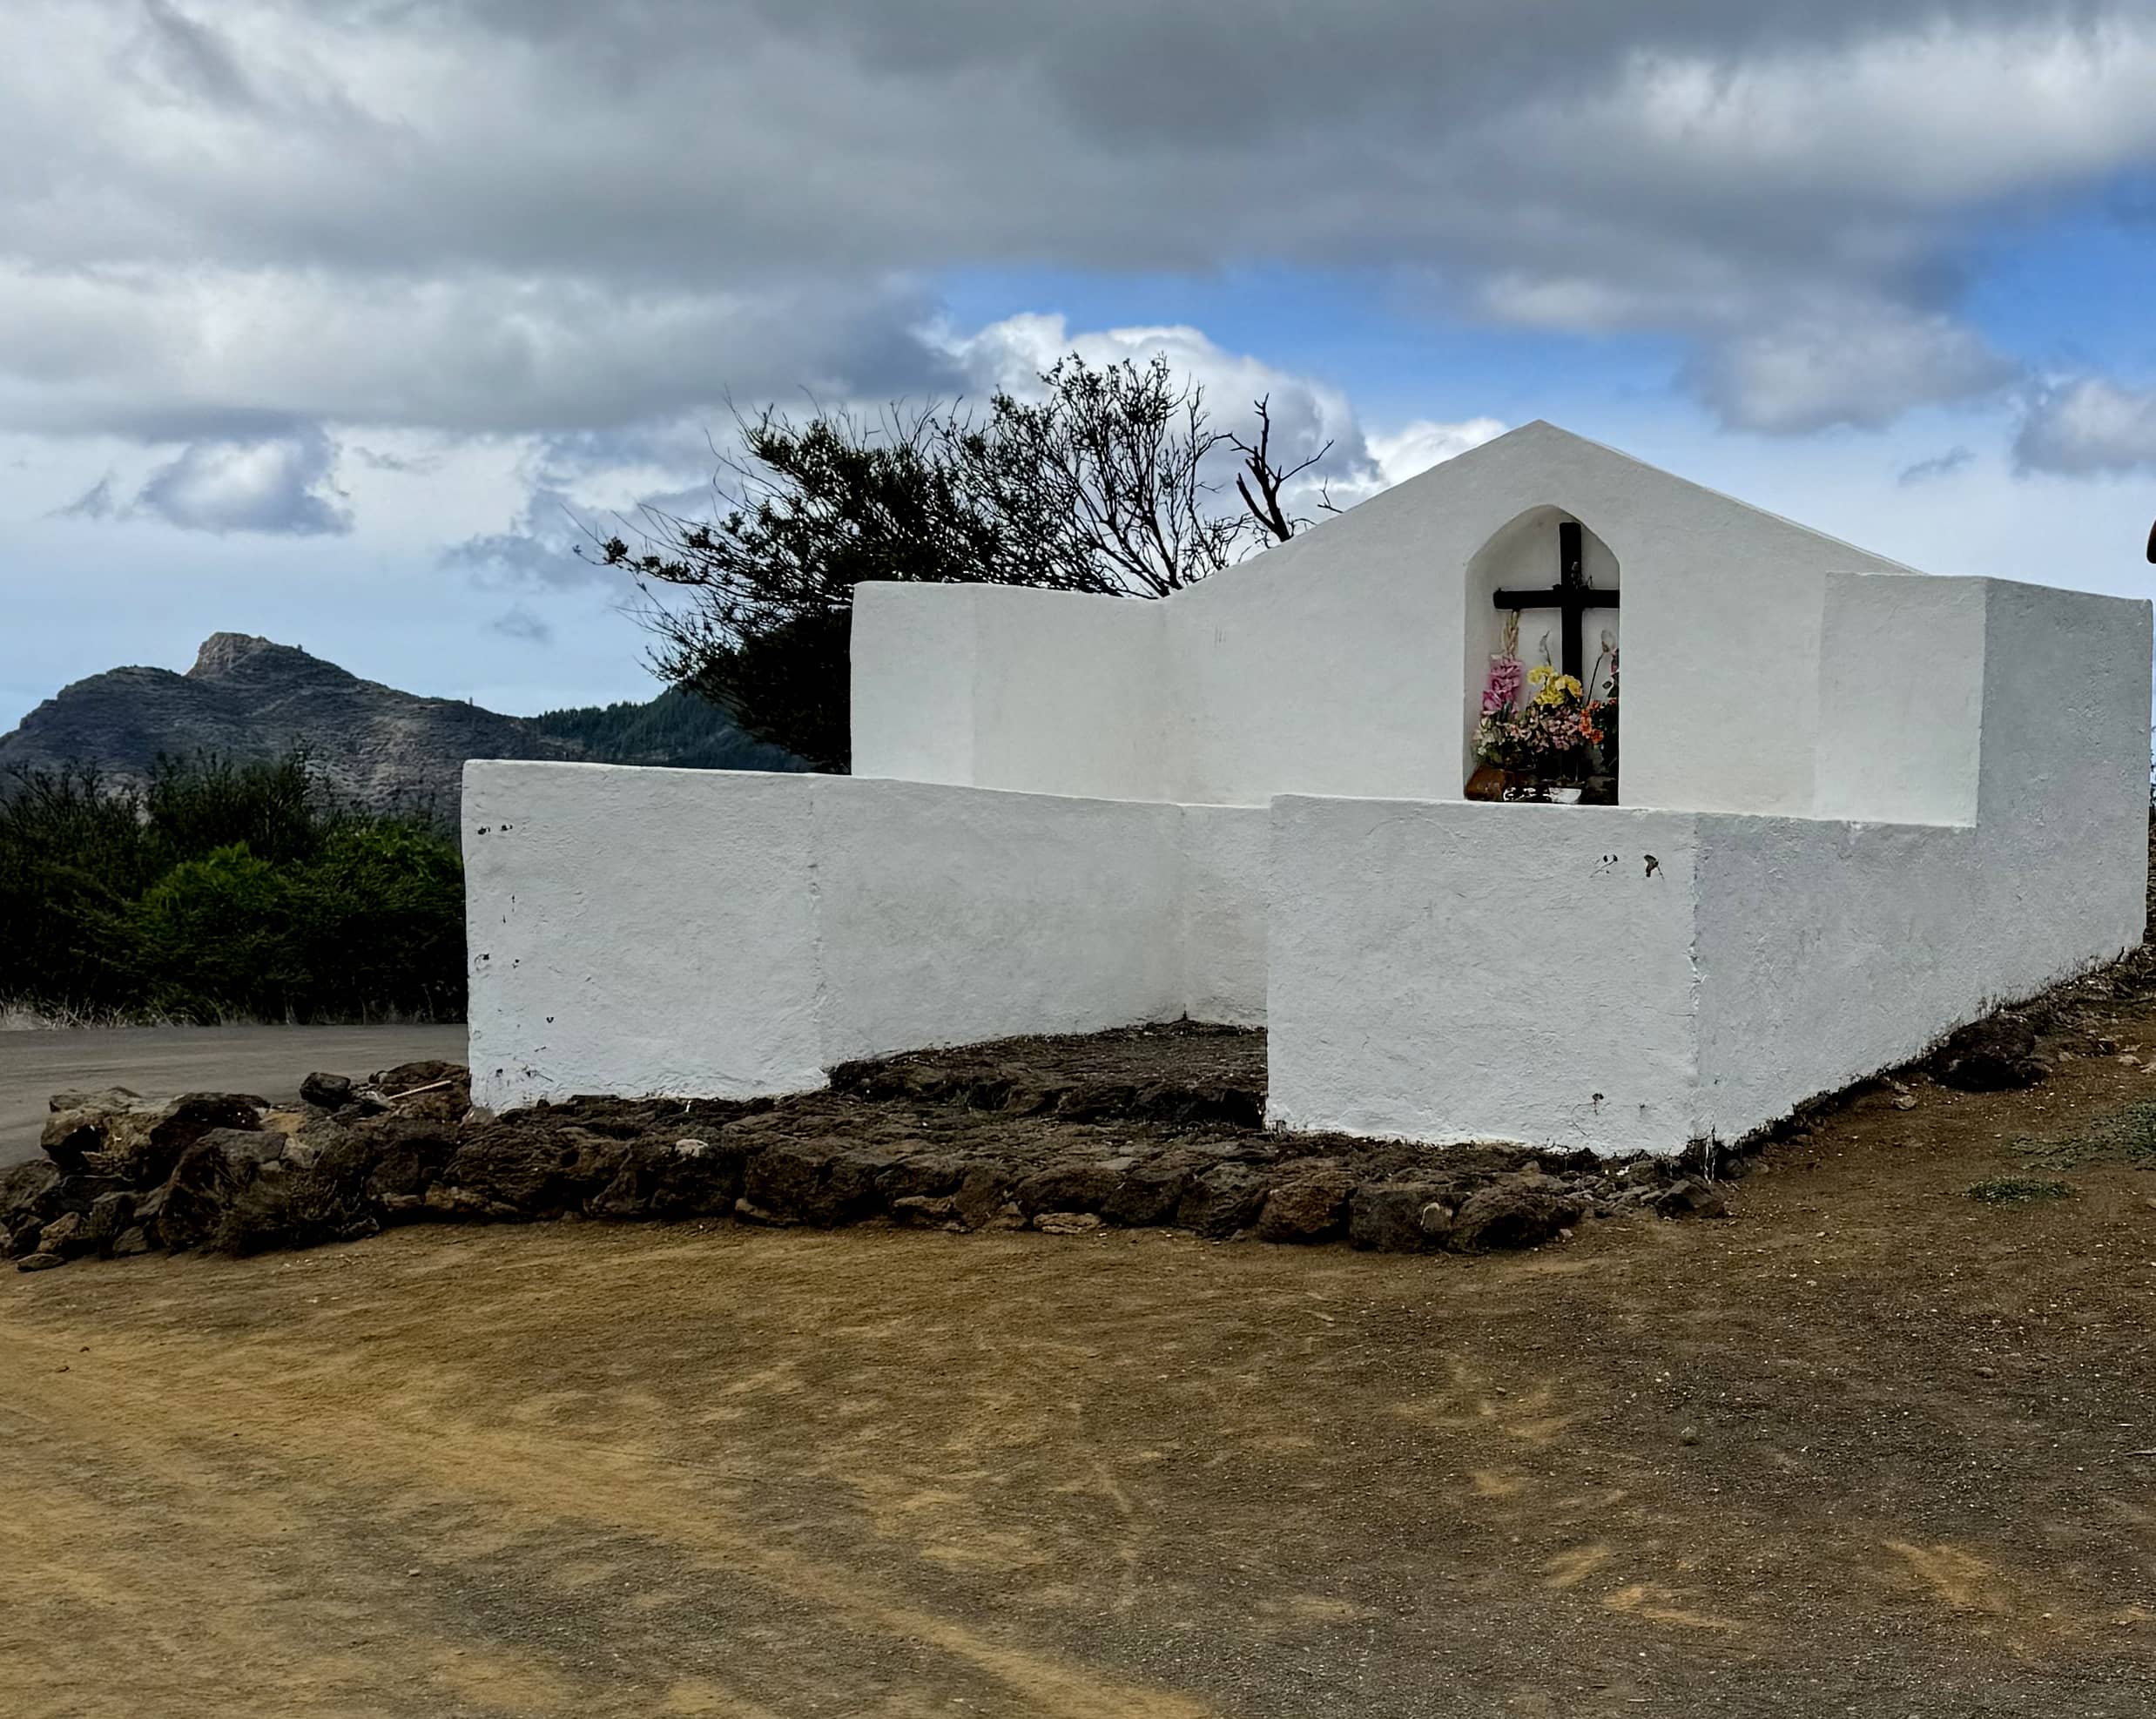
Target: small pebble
{"type": "Point", "coordinates": [1689, 1436]}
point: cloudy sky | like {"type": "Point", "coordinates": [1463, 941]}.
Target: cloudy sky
{"type": "Point", "coordinates": [324, 318]}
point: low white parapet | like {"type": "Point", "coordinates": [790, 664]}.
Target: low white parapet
{"type": "Point", "coordinates": [721, 934]}
{"type": "Point", "coordinates": [1632, 981]}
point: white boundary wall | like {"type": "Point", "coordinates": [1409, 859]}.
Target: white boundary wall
{"type": "Point", "coordinates": [1443, 971]}
{"type": "Point", "coordinates": [717, 933]}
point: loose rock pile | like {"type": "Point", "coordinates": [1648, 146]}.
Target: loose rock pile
{"type": "Point", "coordinates": [1061, 1136]}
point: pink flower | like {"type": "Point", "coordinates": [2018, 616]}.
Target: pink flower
{"type": "Point", "coordinates": [1506, 679]}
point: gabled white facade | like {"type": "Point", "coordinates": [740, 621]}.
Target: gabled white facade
{"type": "Point", "coordinates": [1859, 806]}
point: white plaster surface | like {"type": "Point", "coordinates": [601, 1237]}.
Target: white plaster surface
{"type": "Point", "coordinates": [1451, 971]}
{"type": "Point", "coordinates": [1339, 663]}
{"type": "Point", "coordinates": [1446, 971]}
{"type": "Point", "coordinates": [635, 931]}
{"type": "Point", "coordinates": [1225, 889]}
{"type": "Point", "coordinates": [720, 934]}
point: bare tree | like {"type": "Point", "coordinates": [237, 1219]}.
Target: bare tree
{"type": "Point", "coordinates": [1100, 485]}
{"type": "Point", "coordinates": [1266, 506]}
{"type": "Point", "coordinates": [1117, 456]}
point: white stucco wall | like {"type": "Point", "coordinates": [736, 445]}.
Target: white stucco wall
{"type": "Point", "coordinates": [724, 934]}
{"type": "Point", "coordinates": [639, 931]}
{"type": "Point", "coordinates": [1443, 971]}
{"type": "Point", "coordinates": [1226, 889]}
{"type": "Point", "coordinates": [997, 686]}
{"type": "Point", "coordinates": [1901, 698]}
{"type": "Point", "coordinates": [1341, 662]}
{"type": "Point", "coordinates": [1446, 971]}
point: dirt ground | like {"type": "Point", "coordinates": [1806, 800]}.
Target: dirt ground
{"type": "Point", "coordinates": [1870, 1446]}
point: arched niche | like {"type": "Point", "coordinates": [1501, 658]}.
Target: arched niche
{"type": "Point", "coordinates": [1525, 554]}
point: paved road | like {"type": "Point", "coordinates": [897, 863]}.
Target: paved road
{"type": "Point", "coordinates": [158, 1061]}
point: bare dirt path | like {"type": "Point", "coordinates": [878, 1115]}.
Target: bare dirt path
{"type": "Point", "coordinates": [1870, 1446]}
{"type": "Point", "coordinates": [159, 1061]}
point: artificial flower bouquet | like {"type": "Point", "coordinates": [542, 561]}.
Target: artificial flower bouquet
{"type": "Point", "coordinates": [1540, 728]}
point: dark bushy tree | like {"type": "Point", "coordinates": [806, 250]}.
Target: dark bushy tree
{"type": "Point", "coordinates": [1101, 486]}
{"type": "Point", "coordinates": [222, 890]}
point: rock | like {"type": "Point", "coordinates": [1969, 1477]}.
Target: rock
{"type": "Point", "coordinates": [533, 1172]}
{"type": "Point", "coordinates": [22, 1186]}
{"type": "Point", "coordinates": [332, 1092]}
{"type": "Point", "coordinates": [210, 1172]}
{"type": "Point", "coordinates": [981, 1196]}
{"type": "Point", "coordinates": [1078, 1185]}
{"type": "Point", "coordinates": [1222, 1200]}
{"type": "Point", "coordinates": [1690, 1435]}
{"type": "Point", "coordinates": [1310, 1208]}
{"type": "Point", "coordinates": [63, 1236]}
{"type": "Point", "coordinates": [256, 1146]}
{"type": "Point", "coordinates": [925, 1210]}
{"type": "Point", "coordinates": [1689, 1197]}
{"type": "Point", "coordinates": [697, 1179]}
{"type": "Point", "coordinates": [1150, 1191]}
{"type": "Point", "coordinates": [398, 1155]}
{"type": "Point", "coordinates": [448, 1203]}
{"type": "Point", "coordinates": [1436, 1220]}
{"type": "Point", "coordinates": [38, 1262]}
{"type": "Point", "coordinates": [431, 1090]}
{"type": "Point", "coordinates": [284, 1207]}
{"type": "Point", "coordinates": [1205, 1101]}
{"type": "Point", "coordinates": [110, 1214]}
{"type": "Point", "coordinates": [69, 1136]}
{"type": "Point", "coordinates": [1997, 1055]}
{"type": "Point", "coordinates": [1067, 1223]}
{"type": "Point", "coordinates": [921, 1176]}
{"type": "Point", "coordinates": [143, 1146]}
{"type": "Point", "coordinates": [783, 1179]}
{"type": "Point", "coordinates": [131, 1242]}
{"type": "Point", "coordinates": [1519, 1211]}
{"type": "Point", "coordinates": [104, 1098]}
{"type": "Point", "coordinates": [1387, 1216]}
{"type": "Point", "coordinates": [673, 1179]}
{"type": "Point", "coordinates": [849, 1192]}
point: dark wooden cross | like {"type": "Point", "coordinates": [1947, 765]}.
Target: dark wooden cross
{"type": "Point", "coordinates": [1572, 594]}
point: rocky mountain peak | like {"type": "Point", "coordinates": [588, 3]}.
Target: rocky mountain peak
{"type": "Point", "coordinates": [222, 653]}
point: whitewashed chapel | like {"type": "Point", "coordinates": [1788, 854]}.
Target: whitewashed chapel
{"type": "Point", "coordinates": [1856, 805]}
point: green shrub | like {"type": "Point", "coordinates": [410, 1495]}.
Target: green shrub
{"type": "Point", "coordinates": [219, 890]}
{"type": "Point", "coordinates": [220, 936]}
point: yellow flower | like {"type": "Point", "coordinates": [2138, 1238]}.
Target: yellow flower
{"type": "Point", "coordinates": [1552, 688]}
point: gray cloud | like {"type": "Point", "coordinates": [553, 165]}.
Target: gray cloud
{"type": "Point", "coordinates": [194, 59]}
{"type": "Point", "coordinates": [2088, 426]}
{"type": "Point", "coordinates": [492, 215]}
{"type": "Point", "coordinates": [282, 485]}
{"type": "Point", "coordinates": [539, 548]}
{"type": "Point", "coordinates": [98, 501]}
{"type": "Point", "coordinates": [1941, 465]}
{"type": "Point", "coordinates": [518, 622]}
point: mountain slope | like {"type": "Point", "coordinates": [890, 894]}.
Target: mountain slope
{"type": "Point", "coordinates": [246, 699]}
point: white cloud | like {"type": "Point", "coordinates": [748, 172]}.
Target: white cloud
{"type": "Point", "coordinates": [1416, 446]}
{"type": "Point", "coordinates": [281, 484]}
{"type": "Point", "coordinates": [1311, 420]}
{"type": "Point", "coordinates": [1865, 366]}
{"type": "Point", "coordinates": [2088, 425]}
